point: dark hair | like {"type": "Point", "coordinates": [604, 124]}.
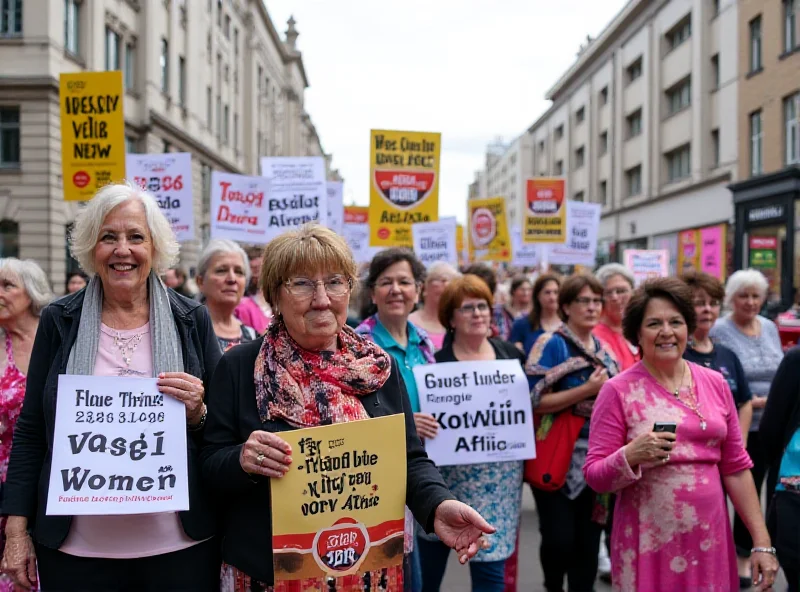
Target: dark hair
{"type": "Point", "coordinates": [516, 283]}
{"type": "Point", "coordinates": [76, 273]}
{"type": "Point", "coordinates": [254, 252]}
{"type": "Point", "coordinates": [535, 317]}
{"type": "Point", "coordinates": [487, 274]}
{"type": "Point", "coordinates": [383, 261]}
{"type": "Point", "coordinates": [458, 290]}
{"type": "Point", "coordinates": [572, 287]}
{"type": "Point", "coordinates": [700, 280]}
{"type": "Point", "coordinates": [672, 289]}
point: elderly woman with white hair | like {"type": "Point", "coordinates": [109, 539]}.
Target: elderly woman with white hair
{"type": "Point", "coordinates": [223, 273]}
{"type": "Point", "coordinates": [124, 323]}
{"type": "Point", "coordinates": [756, 342]}
{"type": "Point", "coordinates": [427, 316]}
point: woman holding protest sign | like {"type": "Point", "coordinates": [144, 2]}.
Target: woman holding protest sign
{"type": "Point", "coordinates": [427, 316]}
{"type": "Point", "coordinates": [567, 369]}
{"type": "Point", "coordinates": [222, 274]}
{"type": "Point", "coordinates": [495, 488]}
{"type": "Point", "coordinates": [125, 323]}
{"type": "Point", "coordinates": [309, 370]}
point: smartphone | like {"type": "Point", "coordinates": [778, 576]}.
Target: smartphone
{"type": "Point", "coordinates": [665, 426]}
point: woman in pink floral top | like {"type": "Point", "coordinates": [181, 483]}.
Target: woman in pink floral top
{"type": "Point", "coordinates": [671, 528]}
{"type": "Point", "coordinates": [24, 291]}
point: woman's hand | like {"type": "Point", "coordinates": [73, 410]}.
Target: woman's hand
{"type": "Point", "coordinates": [764, 568]}
{"type": "Point", "coordinates": [759, 402]}
{"type": "Point", "coordinates": [596, 381]}
{"type": "Point", "coordinates": [461, 528]}
{"type": "Point", "coordinates": [652, 447]}
{"type": "Point", "coordinates": [188, 390]}
{"type": "Point", "coordinates": [19, 557]}
{"type": "Point", "coordinates": [265, 454]}
{"type": "Point", "coordinates": [427, 426]}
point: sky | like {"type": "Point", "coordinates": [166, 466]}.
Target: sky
{"type": "Point", "coordinates": [474, 70]}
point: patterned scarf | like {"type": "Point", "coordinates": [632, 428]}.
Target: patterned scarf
{"type": "Point", "coordinates": [308, 389]}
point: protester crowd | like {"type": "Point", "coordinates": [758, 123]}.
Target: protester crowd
{"type": "Point", "coordinates": [655, 406]}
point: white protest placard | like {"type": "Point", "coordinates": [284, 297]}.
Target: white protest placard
{"type": "Point", "coordinates": [169, 178]}
{"type": "Point", "coordinates": [357, 238]}
{"type": "Point", "coordinates": [580, 246]}
{"type": "Point", "coordinates": [335, 205]}
{"type": "Point", "coordinates": [119, 447]}
{"type": "Point", "coordinates": [646, 264]}
{"type": "Point", "coordinates": [483, 410]}
{"type": "Point", "coordinates": [239, 208]}
{"type": "Point", "coordinates": [525, 254]}
{"type": "Point", "coordinates": [298, 192]}
{"type": "Point", "coordinates": [435, 241]}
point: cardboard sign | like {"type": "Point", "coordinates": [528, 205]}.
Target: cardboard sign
{"type": "Point", "coordinates": [647, 264]}
{"type": "Point", "coordinates": [119, 447]}
{"type": "Point", "coordinates": [340, 508]}
{"type": "Point", "coordinates": [168, 177]}
{"type": "Point", "coordinates": [298, 192]}
{"type": "Point", "coordinates": [357, 238]}
{"type": "Point", "coordinates": [483, 409]}
{"type": "Point", "coordinates": [489, 239]}
{"type": "Point", "coordinates": [435, 241]}
{"type": "Point", "coordinates": [525, 254]}
{"type": "Point", "coordinates": [545, 212]}
{"type": "Point", "coordinates": [92, 132]}
{"type": "Point", "coordinates": [239, 208]}
{"type": "Point", "coordinates": [403, 184]}
{"type": "Point", "coordinates": [335, 205]}
{"type": "Point", "coordinates": [580, 246]}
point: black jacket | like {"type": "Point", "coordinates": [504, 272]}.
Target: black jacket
{"type": "Point", "coordinates": [25, 491]}
{"type": "Point", "coordinates": [781, 417]}
{"type": "Point", "coordinates": [244, 501]}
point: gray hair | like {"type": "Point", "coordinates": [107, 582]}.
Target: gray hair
{"type": "Point", "coordinates": [33, 280]}
{"type": "Point", "coordinates": [221, 246]}
{"type": "Point", "coordinates": [609, 270]}
{"type": "Point", "coordinates": [745, 278]}
{"type": "Point", "coordinates": [86, 231]}
{"type": "Point", "coordinates": [442, 269]}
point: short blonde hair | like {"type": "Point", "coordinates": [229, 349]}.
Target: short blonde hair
{"type": "Point", "coordinates": [33, 279]}
{"type": "Point", "coordinates": [308, 250]}
{"type": "Point", "coordinates": [84, 235]}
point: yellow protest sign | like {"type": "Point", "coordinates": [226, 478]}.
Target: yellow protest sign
{"type": "Point", "coordinates": [545, 211]}
{"type": "Point", "coordinates": [92, 132]}
{"type": "Point", "coordinates": [339, 510]}
{"type": "Point", "coordinates": [463, 258]}
{"type": "Point", "coordinates": [489, 238]}
{"type": "Point", "coordinates": [403, 184]}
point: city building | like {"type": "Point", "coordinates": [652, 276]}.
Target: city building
{"type": "Point", "coordinates": [642, 124]}
{"type": "Point", "coordinates": [767, 198]}
{"type": "Point", "coordinates": [210, 77]}
{"type": "Point", "coordinates": [507, 167]}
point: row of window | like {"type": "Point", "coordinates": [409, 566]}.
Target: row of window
{"type": "Point", "coordinates": [791, 134]}
{"type": "Point", "coordinates": [789, 35]}
{"type": "Point", "coordinates": [223, 119]}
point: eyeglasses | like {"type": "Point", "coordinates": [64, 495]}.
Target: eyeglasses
{"type": "Point", "coordinates": [438, 280]}
{"type": "Point", "coordinates": [583, 301]}
{"type": "Point", "coordinates": [304, 288]}
{"type": "Point", "coordinates": [704, 303]}
{"type": "Point", "coordinates": [616, 292]}
{"type": "Point", "coordinates": [402, 283]}
{"type": "Point", "coordinates": [470, 309]}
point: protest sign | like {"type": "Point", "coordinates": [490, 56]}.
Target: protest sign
{"type": "Point", "coordinates": [169, 178]}
{"type": "Point", "coordinates": [298, 192]}
{"type": "Point", "coordinates": [238, 208]}
{"type": "Point", "coordinates": [545, 213]}
{"type": "Point", "coordinates": [340, 507]}
{"type": "Point", "coordinates": [489, 239]}
{"type": "Point", "coordinates": [461, 246]}
{"type": "Point", "coordinates": [580, 247]}
{"type": "Point", "coordinates": [435, 241]}
{"type": "Point", "coordinates": [703, 249]}
{"type": "Point", "coordinates": [119, 447]}
{"type": "Point", "coordinates": [403, 184]}
{"type": "Point", "coordinates": [525, 254]}
{"type": "Point", "coordinates": [483, 410]}
{"type": "Point", "coordinates": [647, 264]}
{"type": "Point", "coordinates": [356, 215]}
{"type": "Point", "coordinates": [357, 238]}
{"type": "Point", "coordinates": [335, 205]}
{"type": "Point", "coordinates": [92, 132]}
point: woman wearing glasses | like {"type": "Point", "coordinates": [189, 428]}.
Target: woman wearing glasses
{"type": "Point", "coordinates": [567, 371]}
{"type": "Point", "coordinates": [495, 488]}
{"type": "Point", "coordinates": [617, 282]}
{"type": "Point", "coordinates": [309, 370]}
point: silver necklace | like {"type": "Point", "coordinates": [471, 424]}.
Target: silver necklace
{"type": "Point", "coordinates": [127, 345]}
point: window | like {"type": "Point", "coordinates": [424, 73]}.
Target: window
{"type": "Point", "coordinates": [182, 81]}
{"type": "Point", "coordinates": [791, 116]}
{"type": "Point", "coordinates": [166, 147]}
{"type": "Point", "coordinates": [679, 163]}
{"type": "Point", "coordinates": [130, 66]}
{"type": "Point", "coordinates": [9, 238]}
{"type": "Point", "coordinates": [559, 167]}
{"type": "Point", "coordinates": [680, 33]}
{"type": "Point", "coordinates": [634, 71]}
{"type": "Point", "coordinates": [71, 26]}
{"type": "Point", "coordinates": [9, 137]}
{"type": "Point", "coordinates": [578, 196]}
{"type": "Point", "coordinates": [634, 179]}
{"type": "Point", "coordinates": [602, 191]}
{"type": "Point", "coordinates": [205, 182]}
{"type": "Point", "coordinates": [603, 143]}
{"type": "Point", "coordinates": [789, 25]}
{"type": "Point", "coordinates": [219, 13]}
{"type": "Point", "coordinates": [755, 44]}
{"type": "Point", "coordinates": [714, 8]}
{"type": "Point", "coordinates": [130, 145]}
{"type": "Point", "coordinates": [580, 157]}
{"type": "Point", "coordinates": [226, 29]}
{"type": "Point", "coordinates": [756, 144]}
{"type": "Point", "coordinates": [715, 71]}
{"type": "Point", "coordinates": [225, 125]}
{"type": "Point", "coordinates": [580, 115]}
{"type": "Point", "coordinates": [541, 145]}
{"type": "Point", "coordinates": [715, 148]}
{"type": "Point", "coordinates": [209, 108]}
{"type": "Point", "coordinates": [634, 123]}
{"type": "Point", "coordinates": [227, 71]}
{"type": "Point", "coordinates": [236, 132]}
{"type": "Point", "coordinates": [11, 18]}
{"type": "Point", "coordinates": [219, 68]}
{"type": "Point", "coordinates": [679, 96]}
{"type": "Point", "coordinates": [112, 50]}
{"type": "Point", "coordinates": [164, 65]}
{"type": "Point", "coordinates": [259, 81]}
{"type": "Point", "coordinates": [604, 96]}
{"type": "Point", "coordinates": [560, 132]}
{"type": "Point", "coordinates": [235, 41]}
{"type": "Point", "coordinates": [219, 117]}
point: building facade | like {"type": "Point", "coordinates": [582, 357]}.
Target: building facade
{"type": "Point", "coordinates": [507, 167]}
{"type": "Point", "coordinates": [209, 77]}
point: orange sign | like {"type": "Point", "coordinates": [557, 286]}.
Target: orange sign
{"type": "Point", "coordinates": [356, 214]}
{"type": "Point", "coordinates": [545, 211]}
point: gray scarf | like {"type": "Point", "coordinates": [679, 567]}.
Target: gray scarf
{"type": "Point", "coordinates": [166, 346]}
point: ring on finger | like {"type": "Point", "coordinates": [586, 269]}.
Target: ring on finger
{"type": "Point", "coordinates": [260, 459]}
{"type": "Point", "coordinates": [665, 459]}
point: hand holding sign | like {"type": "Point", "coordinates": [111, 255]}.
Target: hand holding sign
{"type": "Point", "coordinates": [265, 454]}
{"type": "Point", "coordinates": [427, 426]}
{"type": "Point", "coordinates": [461, 528]}
{"type": "Point", "coordinates": [188, 390]}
